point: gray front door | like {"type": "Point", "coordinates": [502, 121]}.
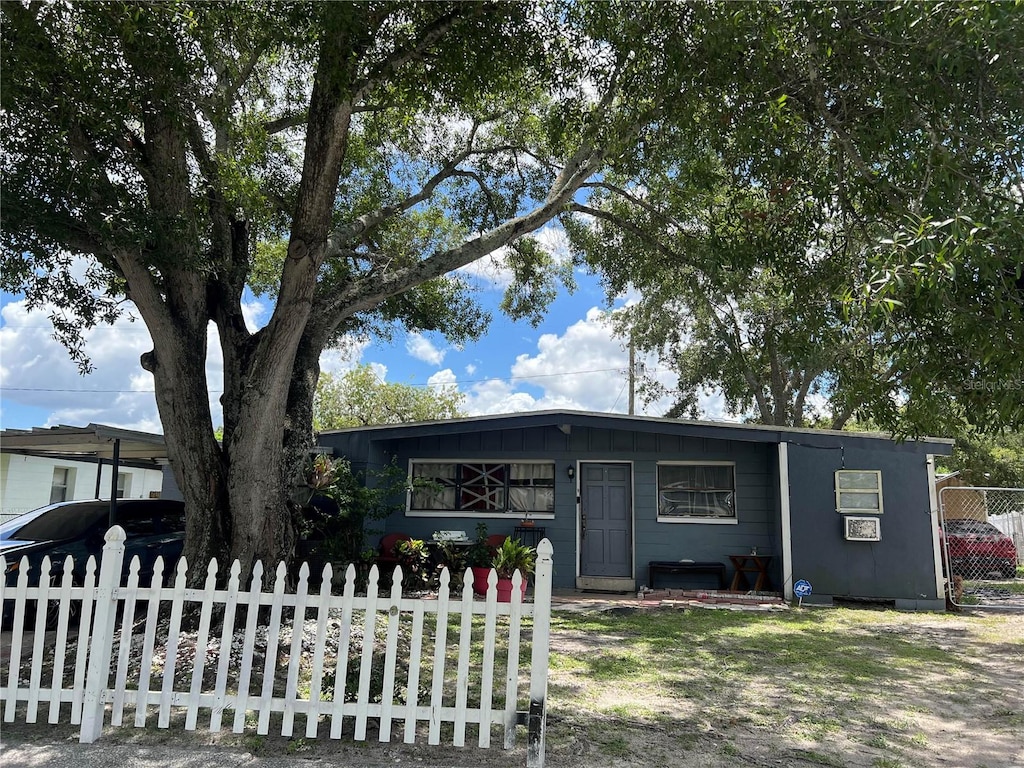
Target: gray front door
{"type": "Point", "coordinates": [606, 521]}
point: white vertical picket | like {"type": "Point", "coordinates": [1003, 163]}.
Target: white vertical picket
{"type": "Point", "coordinates": [291, 690]}
{"type": "Point", "coordinates": [17, 631]}
{"type": "Point", "coordinates": [413, 687]}
{"type": "Point", "coordinates": [515, 619]}
{"type": "Point", "coordinates": [465, 644]}
{"type": "Point", "coordinates": [202, 642]}
{"type": "Point", "coordinates": [148, 642]}
{"type": "Point", "coordinates": [316, 679]}
{"type": "Point", "coordinates": [270, 661]}
{"type": "Point", "coordinates": [440, 659]}
{"type": "Point", "coordinates": [537, 717]}
{"type": "Point", "coordinates": [82, 651]}
{"type": "Point", "coordinates": [487, 670]}
{"type": "Point", "coordinates": [35, 677]}
{"type": "Point", "coordinates": [61, 640]}
{"type": "Point", "coordinates": [101, 596]}
{"type": "Point", "coordinates": [171, 652]}
{"type": "Point", "coordinates": [387, 697]}
{"type": "Point", "coordinates": [366, 662]}
{"type": "Point", "coordinates": [252, 601]}
{"type": "Point", "coordinates": [98, 673]}
{"type": "Point", "coordinates": [125, 646]}
{"type": "Point", "coordinates": [224, 659]}
{"type": "Point", "coordinates": [341, 664]}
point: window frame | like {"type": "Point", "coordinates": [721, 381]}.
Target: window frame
{"type": "Point", "coordinates": [876, 491]}
{"type": "Point", "coordinates": [67, 484]}
{"type": "Point", "coordinates": [124, 484]}
{"type": "Point", "coordinates": [696, 519]}
{"type": "Point", "coordinates": [507, 513]}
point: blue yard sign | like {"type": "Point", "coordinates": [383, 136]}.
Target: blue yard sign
{"type": "Point", "coordinates": [802, 589]}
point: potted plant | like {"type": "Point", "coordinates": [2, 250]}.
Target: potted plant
{"type": "Point", "coordinates": [510, 557]}
{"type": "Point", "coordinates": [479, 556]}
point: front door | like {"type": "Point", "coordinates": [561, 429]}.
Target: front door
{"type": "Point", "coordinates": [606, 521]}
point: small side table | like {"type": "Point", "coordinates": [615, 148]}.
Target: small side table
{"type": "Point", "coordinates": [750, 564]}
{"type": "Point", "coordinates": [530, 535]}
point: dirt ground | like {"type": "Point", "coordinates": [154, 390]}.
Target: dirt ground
{"type": "Point", "coordinates": [923, 720]}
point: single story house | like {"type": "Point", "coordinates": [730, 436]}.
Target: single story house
{"type": "Point", "coordinates": [853, 514]}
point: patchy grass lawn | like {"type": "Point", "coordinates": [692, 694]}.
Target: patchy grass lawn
{"type": "Point", "coordinates": [833, 687]}
{"type": "Point", "coordinates": [702, 688]}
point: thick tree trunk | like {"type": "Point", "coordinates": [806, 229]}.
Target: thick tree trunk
{"type": "Point", "coordinates": [298, 431]}
{"type": "Point", "coordinates": [178, 367]}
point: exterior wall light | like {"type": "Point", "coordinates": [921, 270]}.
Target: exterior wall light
{"type": "Point", "coordinates": [571, 471]}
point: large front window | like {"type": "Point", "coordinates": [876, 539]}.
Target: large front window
{"type": "Point", "coordinates": [697, 491]}
{"type": "Point", "coordinates": [483, 487]}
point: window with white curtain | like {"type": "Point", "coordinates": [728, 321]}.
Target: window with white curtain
{"type": "Point", "coordinates": [483, 487]}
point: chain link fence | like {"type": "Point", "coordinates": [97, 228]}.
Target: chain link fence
{"type": "Point", "coordinates": [982, 543]}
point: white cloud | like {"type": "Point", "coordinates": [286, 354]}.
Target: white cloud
{"type": "Point", "coordinates": [584, 368]}
{"type": "Point", "coordinates": [422, 348]}
{"type": "Point", "coordinates": [343, 357]}
{"type": "Point", "coordinates": [492, 271]}
{"type": "Point", "coordinates": [443, 378]}
{"type": "Point", "coordinates": [38, 372]}
{"type": "Point", "coordinates": [489, 272]}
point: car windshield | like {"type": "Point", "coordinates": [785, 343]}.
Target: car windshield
{"type": "Point", "coordinates": [970, 526]}
{"type": "Point", "coordinates": [57, 521]}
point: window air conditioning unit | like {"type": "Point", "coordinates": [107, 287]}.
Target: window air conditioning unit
{"type": "Point", "coordinates": [862, 528]}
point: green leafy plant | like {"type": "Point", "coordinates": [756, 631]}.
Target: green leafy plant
{"type": "Point", "coordinates": [514, 556]}
{"type": "Point", "coordinates": [414, 557]}
{"type": "Point", "coordinates": [479, 554]}
{"type": "Point", "coordinates": [337, 504]}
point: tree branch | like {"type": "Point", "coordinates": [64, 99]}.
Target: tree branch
{"type": "Point", "coordinates": [635, 201]}
{"type": "Point", "coordinates": [367, 291]}
{"type": "Point", "coordinates": [430, 35]}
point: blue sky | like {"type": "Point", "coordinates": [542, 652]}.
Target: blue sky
{"type": "Point", "coordinates": [570, 361]}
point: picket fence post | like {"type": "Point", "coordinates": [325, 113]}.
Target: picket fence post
{"type": "Point", "coordinates": [98, 671]}
{"type": "Point", "coordinates": [537, 716]}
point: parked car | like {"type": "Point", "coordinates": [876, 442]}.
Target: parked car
{"type": "Point", "coordinates": [154, 527]}
{"type": "Point", "coordinates": [976, 549]}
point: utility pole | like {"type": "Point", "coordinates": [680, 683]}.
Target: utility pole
{"type": "Point", "coordinates": [632, 375]}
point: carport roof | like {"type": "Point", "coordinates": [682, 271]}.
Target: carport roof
{"type": "Point", "coordinates": [95, 440]}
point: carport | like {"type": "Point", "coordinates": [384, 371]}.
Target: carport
{"type": "Point", "coordinates": [96, 441]}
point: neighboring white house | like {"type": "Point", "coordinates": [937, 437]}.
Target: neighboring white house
{"type": "Point", "coordinates": [28, 482]}
{"type": "Point", "coordinates": [43, 466]}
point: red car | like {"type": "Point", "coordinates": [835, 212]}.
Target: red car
{"type": "Point", "coordinates": [975, 549]}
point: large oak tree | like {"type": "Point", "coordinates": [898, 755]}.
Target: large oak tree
{"type": "Point", "coordinates": [343, 158]}
{"type": "Point", "coordinates": [346, 158]}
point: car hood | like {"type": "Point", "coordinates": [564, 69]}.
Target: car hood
{"type": "Point", "coordinates": [17, 546]}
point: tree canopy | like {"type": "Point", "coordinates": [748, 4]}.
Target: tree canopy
{"type": "Point", "coordinates": [861, 239]}
{"type": "Point", "coordinates": [988, 460]}
{"type": "Point", "coordinates": [344, 159]}
{"type": "Point", "coordinates": [360, 398]}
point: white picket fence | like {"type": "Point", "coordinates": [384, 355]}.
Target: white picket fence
{"type": "Point", "coordinates": [114, 660]}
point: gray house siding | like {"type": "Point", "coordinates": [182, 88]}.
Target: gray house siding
{"type": "Point", "coordinates": [900, 566]}
{"type": "Point", "coordinates": [756, 489]}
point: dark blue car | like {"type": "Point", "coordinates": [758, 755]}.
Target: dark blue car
{"type": "Point", "coordinates": [154, 527]}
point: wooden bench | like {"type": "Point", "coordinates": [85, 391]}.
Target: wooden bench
{"type": "Point", "coordinates": [686, 566]}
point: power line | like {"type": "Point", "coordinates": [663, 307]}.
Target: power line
{"type": "Point", "coordinates": [458, 382]}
